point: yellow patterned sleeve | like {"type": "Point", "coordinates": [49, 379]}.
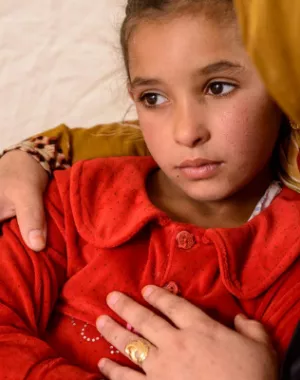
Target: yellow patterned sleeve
{"type": "Point", "coordinates": [60, 147]}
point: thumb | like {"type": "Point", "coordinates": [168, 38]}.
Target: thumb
{"type": "Point", "coordinates": [251, 329]}
{"type": "Point", "coordinates": [31, 219]}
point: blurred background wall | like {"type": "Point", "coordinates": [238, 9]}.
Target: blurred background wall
{"type": "Point", "coordinates": [60, 62]}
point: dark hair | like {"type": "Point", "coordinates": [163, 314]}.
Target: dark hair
{"type": "Point", "coordinates": [155, 9]}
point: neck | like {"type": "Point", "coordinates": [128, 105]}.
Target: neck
{"type": "Point", "coordinates": [229, 212]}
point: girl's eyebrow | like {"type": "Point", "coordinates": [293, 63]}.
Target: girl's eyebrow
{"type": "Point", "coordinates": [212, 68]}
{"type": "Point", "coordinates": [220, 66]}
{"type": "Point", "coordinates": [140, 82]}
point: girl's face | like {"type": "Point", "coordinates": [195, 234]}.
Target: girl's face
{"type": "Point", "coordinates": [205, 114]}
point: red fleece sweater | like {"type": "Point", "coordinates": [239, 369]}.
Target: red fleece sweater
{"type": "Point", "coordinates": [104, 234]}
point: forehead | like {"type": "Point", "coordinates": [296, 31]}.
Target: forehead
{"type": "Point", "coordinates": [182, 43]}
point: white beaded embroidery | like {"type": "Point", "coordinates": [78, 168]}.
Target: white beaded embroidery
{"type": "Point", "coordinates": [113, 350]}
{"type": "Point", "coordinates": [85, 337]}
{"type": "Point", "coordinates": [83, 333]}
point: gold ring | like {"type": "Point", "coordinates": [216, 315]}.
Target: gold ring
{"type": "Point", "coordinates": [138, 351]}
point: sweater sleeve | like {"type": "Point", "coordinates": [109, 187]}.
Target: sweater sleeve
{"type": "Point", "coordinates": [60, 147]}
{"type": "Point", "coordinates": [29, 288]}
{"type": "Point", "coordinates": [51, 150]}
{"type": "Point", "coordinates": [282, 309]}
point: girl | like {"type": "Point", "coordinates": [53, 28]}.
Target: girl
{"type": "Point", "coordinates": [205, 217]}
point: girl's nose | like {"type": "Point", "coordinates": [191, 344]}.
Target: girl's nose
{"type": "Point", "coordinates": [189, 128]}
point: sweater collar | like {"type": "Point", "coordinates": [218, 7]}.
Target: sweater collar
{"type": "Point", "coordinates": [109, 199]}
{"type": "Point", "coordinates": [252, 257]}
{"type": "Point", "coordinates": [110, 206]}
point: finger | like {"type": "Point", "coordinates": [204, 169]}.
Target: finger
{"type": "Point", "coordinates": [119, 337]}
{"type": "Point", "coordinates": [114, 371]}
{"type": "Point", "coordinates": [6, 213]}
{"type": "Point", "coordinates": [31, 220]}
{"type": "Point", "coordinates": [147, 323]}
{"type": "Point", "coordinates": [251, 329]}
{"type": "Point", "coordinates": [181, 312]}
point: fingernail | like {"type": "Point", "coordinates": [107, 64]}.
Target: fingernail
{"type": "Point", "coordinates": [101, 363]}
{"type": "Point", "coordinates": [37, 239]}
{"type": "Point", "coordinates": [242, 316]}
{"type": "Point", "coordinates": [100, 323]}
{"type": "Point", "coordinates": [147, 291]}
{"type": "Point", "coordinates": [113, 298]}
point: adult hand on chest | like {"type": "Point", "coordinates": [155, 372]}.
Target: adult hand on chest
{"type": "Point", "coordinates": [193, 346]}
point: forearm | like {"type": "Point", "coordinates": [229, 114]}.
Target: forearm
{"type": "Point", "coordinates": [47, 149]}
{"type": "Point", "coordinates": [58, 148]}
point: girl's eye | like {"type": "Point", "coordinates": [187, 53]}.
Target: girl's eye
{"type": "Point", "coordinates": [220, 88]}
{"type": "Point", "coordinates": [152, 99]}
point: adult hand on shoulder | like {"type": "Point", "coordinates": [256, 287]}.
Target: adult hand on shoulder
{"type": "Point", "coordinates": [196, 347]}
{"type": "Point", "coordinates": [22, 184]}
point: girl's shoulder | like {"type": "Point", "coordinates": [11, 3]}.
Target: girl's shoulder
{"type": "Point", "coordinates": [289, 195]}
{"type": "Point", "coordinates": [98, 193]}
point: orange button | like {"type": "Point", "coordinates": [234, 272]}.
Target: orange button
{"type": "Point", "coordinates": [185, 240]}
{"type": "Point", "coordinates": [172, 287]}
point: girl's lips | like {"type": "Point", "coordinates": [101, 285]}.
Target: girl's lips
{"type": "Point", "coordinates": [203, 171]}
{"type": "Point", "coordinates": [197, 162]}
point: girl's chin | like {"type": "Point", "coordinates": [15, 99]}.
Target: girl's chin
{"type": "Point", "coordinates": [207, 192]}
